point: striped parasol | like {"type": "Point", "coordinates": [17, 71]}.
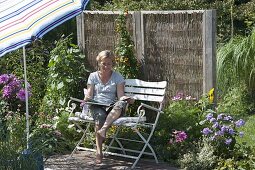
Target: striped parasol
{"type": "Point", "coordinates": [23, 21]}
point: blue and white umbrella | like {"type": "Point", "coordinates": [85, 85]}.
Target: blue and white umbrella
{"type": "Point", "coordinates": [22, 21]}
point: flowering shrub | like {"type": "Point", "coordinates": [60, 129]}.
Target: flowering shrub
{"type": "Point", "coordinates": [12, 87]}
{"type": "Point", "coordinates": [222, 129]}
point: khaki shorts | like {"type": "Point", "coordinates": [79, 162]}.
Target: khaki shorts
{"type": "Point", "coordinates": [99, 113]}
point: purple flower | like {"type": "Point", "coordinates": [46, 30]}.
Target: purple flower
{"type": "Point", "coordinates": [220, 116]}
{"type": "Point", "coordinates": [227, 118]}
{"type": "Point", "coordinates": [228, 141]}
{"type": "Point", "coordinates": [206, 131]}
{"type": "Point", "coordinates": [239, 123]}
{"type": "Point", "coordinates": [12, 86]}
{"type": "Point", "coordinates": [215, 125]}
{"type": "Point", "coordinates": [224, 128]}
{"type": "Point", "coordinates": [15, 83]}
{"type": "Point", "coordinates": [241, 134]}
{"type": "Point", "coordinates": [7, 92]}
{"type": "Point", "coordinates": [231, 131]}
{"type": "Point", "coordinates": [209, 116]}
{"type": "Point", "coordinates": [181, 136]}
{"type": "Point", "coordinates": [212, 120]}
{"type": "Point", "coordinates": [21, 95]}
{"type": "Point", "coordinates": [4, 79]}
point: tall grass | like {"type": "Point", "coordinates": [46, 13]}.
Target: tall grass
{"type": "Point", "coordinates": [236, 63]}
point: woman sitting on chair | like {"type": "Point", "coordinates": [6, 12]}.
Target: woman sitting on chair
{"type": "Point", "coordinates": [106, 86]}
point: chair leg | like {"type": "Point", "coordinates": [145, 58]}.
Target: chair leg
{"type": "Point", "coordinates": [82, 138]}
{"type": "Point", "coordinates": [114, 138]}
{"type": "Point", "coordinates": [144, 147]}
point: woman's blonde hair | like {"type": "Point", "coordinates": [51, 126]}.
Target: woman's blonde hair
{"type": "Point", "coordinates": [105, 54]}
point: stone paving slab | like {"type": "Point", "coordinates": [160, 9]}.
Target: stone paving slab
{"type": "Point", "coordinates": [84, 160]}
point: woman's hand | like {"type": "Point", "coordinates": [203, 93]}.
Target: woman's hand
{"type": "Point", "coordinates": [130, 100]}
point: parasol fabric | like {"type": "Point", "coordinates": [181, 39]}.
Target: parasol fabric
{"type": "Point", "coordinates": [22, 21]}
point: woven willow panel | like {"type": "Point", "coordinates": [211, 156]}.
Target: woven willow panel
{"type": "Point", "coordinates": [173, 51]}
{"type": "Point", "coordinates": [100, 34]}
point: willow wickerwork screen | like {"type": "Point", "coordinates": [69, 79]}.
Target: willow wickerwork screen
{"type": "Point", "coordinates": [173, 51]}
{"type": "Point", "coordinates": [177, 46]}
{"type": "Point", "coordinates": [98, 33]}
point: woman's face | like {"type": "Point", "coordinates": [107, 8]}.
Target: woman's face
{"type": "Point", "coordinates": [106, 65]}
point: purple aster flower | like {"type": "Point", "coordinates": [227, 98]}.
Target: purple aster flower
{"type": "Point", "coordinates": [215, 125]}
{"type": "Point", "coordinates": [241, 134]}
{"type": "Point", "coordinates": [227, 118]}
{"type": "Point", "coordinates": [4, 78]}
{"type": "Point", "coordinates": [231, 131]}
{"type": "Point", "coordinates": [209, 116]}
{"type": "Point", "coordinates": [220, 116]}
{"type": "Point", "coordinates": [239, 123]}
{"type": "Point", "coordinates": [228, 141]}
{"type": "Point", "coordinates": [206, 131]}
{"type": "Point", "coordinates": [224, 128]}
{"type": "Point", "coordinates": [212, 120]}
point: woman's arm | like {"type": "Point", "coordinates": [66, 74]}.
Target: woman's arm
{"type": "Point", "coordinates": [121, 94]}
{"type": "Point", "coordinates": [120, 90]}
{"type": "Point", "coordinates": [89, 94]}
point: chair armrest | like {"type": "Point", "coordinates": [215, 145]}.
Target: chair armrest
{"type": "Point", "coordinates": [150, 107]}
{"type": "Point", "coordinates": [77, 100]}
{"type": "Point", "coordinates": [71, 106]}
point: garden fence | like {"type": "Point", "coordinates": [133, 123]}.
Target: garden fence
{"type": "Point", "coordinates": [176, 46]}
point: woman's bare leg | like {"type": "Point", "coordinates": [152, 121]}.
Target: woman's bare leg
{"type": "Point", "coordinates": [99, 145]}
{"type": "Point", "coordinates": [112, 116]}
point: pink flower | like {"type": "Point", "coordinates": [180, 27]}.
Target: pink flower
{"type": "Point", "coordinates": [178, 137]}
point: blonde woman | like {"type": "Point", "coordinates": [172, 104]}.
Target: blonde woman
{"type": "Point", "coordinates": [105, 86]}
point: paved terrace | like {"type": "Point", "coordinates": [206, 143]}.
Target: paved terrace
{"type": "Point", "coordinates": [84, 160]}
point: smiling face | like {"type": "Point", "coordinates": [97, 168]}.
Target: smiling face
{"type": "Point", "coordinates": [105, 64]}
{"type": "Point", "coordinates": [105, 61]}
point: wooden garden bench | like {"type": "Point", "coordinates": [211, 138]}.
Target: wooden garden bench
{"type": "Point", "coordinates": [150, 92]}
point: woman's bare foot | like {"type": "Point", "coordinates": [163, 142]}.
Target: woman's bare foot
{"type": "Point", "coordinates": [101, 133]}
{"type": "Point", "coordinates": [99, 158]}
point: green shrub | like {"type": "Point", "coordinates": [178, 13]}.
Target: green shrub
{"type": "Point", "coordinates": [237, 102]}
{"type": "Point", "coordinates": [45, 138]}
{"type": "Point", "coordinates": [181, 115]}
{"type": "Point", "coordinates": [202, 157]}
{"type": "Point", "coordinates": [67, 75]}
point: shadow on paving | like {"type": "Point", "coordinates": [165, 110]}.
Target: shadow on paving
{"type": "Point", "coordinates": [84, 160]}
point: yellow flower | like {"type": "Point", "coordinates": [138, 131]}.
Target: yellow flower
{"type": "Point", "coordinates": [211, 95]}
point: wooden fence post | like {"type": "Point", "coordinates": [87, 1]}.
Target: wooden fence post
{"type": "Point", "coordinates": [80, 32]}
{"type": "Point", "coordinates": [209, 50]}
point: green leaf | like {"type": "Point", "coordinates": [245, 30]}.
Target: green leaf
{"type": "Point", "coordinates": [69, 80]}
{"type": "Point", "coordinates": [60, 85]}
